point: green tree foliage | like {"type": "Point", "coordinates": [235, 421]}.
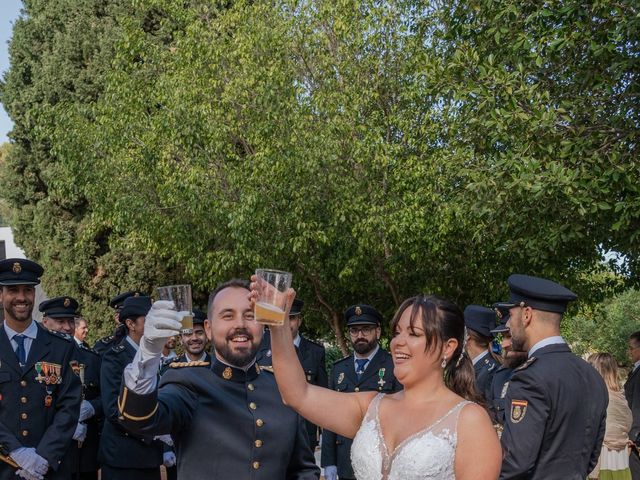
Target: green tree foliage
{"type": "Point", "coordinates": [606, 327]}
{"type": "Point", "coordinates": [376, 149]}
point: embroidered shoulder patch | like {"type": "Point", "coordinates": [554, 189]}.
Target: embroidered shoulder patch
{"type": "Point", "coordinates": [518, 410]}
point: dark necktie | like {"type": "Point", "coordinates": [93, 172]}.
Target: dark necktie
{"type": "Point", "coordinates": [360, 364]}
{"type": "Point", "coordinates": [20, 351]}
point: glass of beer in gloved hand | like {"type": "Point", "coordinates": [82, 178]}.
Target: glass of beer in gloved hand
{"type": "Point", "coordinates": [180, 295]}
{"type": "Point", "coordinates": [271, 303]}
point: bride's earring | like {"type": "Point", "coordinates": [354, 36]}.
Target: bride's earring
{"type": "Point", "coordinates": [444, 362]}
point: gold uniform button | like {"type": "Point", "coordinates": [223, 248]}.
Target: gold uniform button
{"type": "Point", "coordinates": [23, 416]}
{"type": "Point", "coordinates": [357, 389]}
{"type": "Point", "coordinates": [252, 406]}
{"type": "Point", "coordinates": [259, 422]}
{"type": "Point", "coordinates": [251, 387]}
{"type": "Point", "coordinates": [25, 433]}
{"type": "Point", "coordinates": [23, 383]}
{"type": "Point", "coordinates": [256, 465]}
{"type": "Point", "coordinates": [258, 443]}
{"type": "Point", "coordinates": [23, 399]}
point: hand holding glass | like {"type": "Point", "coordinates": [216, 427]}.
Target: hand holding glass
{"type": "Point", "coordinates": [180, 295]}
{"type": "Point", "coordinates": [271, 304]}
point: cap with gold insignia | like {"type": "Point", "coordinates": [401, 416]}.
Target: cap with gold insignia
{"type": "Point", "coordinates": [199, 317]}
{"type": "Point", "coordinates": [59, 307]}
{"type": "Point", "coordinates": [296, 307]}
{"type": "Point", "coordinates": [118, 301]}
{"type": "Point", "coordinates": [503, 315]}
{"type": "Point", "coordinates": [480, 319]}
{"type": "Point", "coordinates": [538, 293]}
{"type": "Point", "coordinates": [20, 271]}
{"type": "Point", "coordinates": [362, 315]}
{"type": "Point", "coordinates": [134, 307]}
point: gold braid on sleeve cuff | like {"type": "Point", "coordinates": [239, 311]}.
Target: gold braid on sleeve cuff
{"type": "Point", "coordinates": [135, 407]}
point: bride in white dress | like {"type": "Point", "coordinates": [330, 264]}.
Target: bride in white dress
{"type": "Point", "coordinates": [428, 431]}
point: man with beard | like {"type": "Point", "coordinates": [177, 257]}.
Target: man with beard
{"type": "Point", "coordinates": [39, 393]}
{"type": "Point", "coordinates": [59, 315]}
{"type": "Point", "coordinates": [511, 360]}
{"type": "Point", "coordinates": [369, 368]}
{"type": "Point", "coordinates": [231, 403]}
{"type": "Point", "coordinates": [556, 402]}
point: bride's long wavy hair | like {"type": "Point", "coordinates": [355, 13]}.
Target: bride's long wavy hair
{"type": "Point", "coordinates": [442, 320]}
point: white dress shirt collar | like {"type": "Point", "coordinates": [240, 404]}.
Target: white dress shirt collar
{"type": "Point", "coordinates": [545, 342]}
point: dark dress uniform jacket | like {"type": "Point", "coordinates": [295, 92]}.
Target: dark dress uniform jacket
{"type": "Point", "coordinates": [632, 394]}
{"type": "Point", "coordinates": [87, 460]}
{"type": "Point", "coordinates": [225, 423]}
{"type": "Point", "coordinates": [312, 359]}
{"type": "Point", "coordinates": [556, 407]}
{"type": "Point", "coordinates": [378, 376]}
{"type": "Point", "coordinates": [118, 447]}
{"type": "Point", "coordinates": [485, 369]}
{"type": "Point", "coordinates": [25, 418]}
{"type": "Point", "coordinates": [496, 394]}
{"type": "Point", "coordinates": [104, 344]}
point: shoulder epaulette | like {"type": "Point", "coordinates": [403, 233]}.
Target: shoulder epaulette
{"type": "Point", "coordinates": [197, 363]}
{"type": "Point", "coordinates": [342, 359]}
{"type": "Point", "coordinates": [88, 349]}
{"type": "Point", "coordinates": [266, 368]}
{"type": "Point", "coordinates": [118, 348]}
{"type": "Point", "coordinates": [64, 336]}
{"type": "Point", "coordinates": [314, 343]}
{"type": "Point", "coordinates": [526, 364]}
{"type": "Point", "coordinates": [107, 340]}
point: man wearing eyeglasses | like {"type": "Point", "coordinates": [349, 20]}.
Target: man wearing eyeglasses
{"type": "Point", "coordinates": [632, 393]}
{"type": "Point", "coordinates": [369, 368]}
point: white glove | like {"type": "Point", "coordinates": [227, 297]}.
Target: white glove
{"type": "Point", "coordinates": [331, 472]}
{"type": "Point", "coordinates": [168, 459]}
{"type": "Point", "coordinates": [81, 432]}
{"type": "Point", "coordinates": [86, 411]}
{"type": "Point", "coordinates": [161, 322]}
{"type": "Point", "coordinates": [29, 476]}
{"type": "Point", "coordinates": [166, 439]}
{"type": "Point", "coordinates": [29, 460]}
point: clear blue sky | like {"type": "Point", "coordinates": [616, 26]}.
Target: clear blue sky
{"type": "Point", "coordinates": [9, 11]}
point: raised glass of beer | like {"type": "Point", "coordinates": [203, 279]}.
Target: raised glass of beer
{"type": "Point", "coordinates": [180, 295]}
{"type": "Point", "coordinates": [272, 296]}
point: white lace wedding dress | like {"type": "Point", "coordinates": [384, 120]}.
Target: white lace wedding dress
{"type": "Point", "coordinates": [426, 455]}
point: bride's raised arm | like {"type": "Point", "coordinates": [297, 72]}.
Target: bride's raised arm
{"type": "Point", "coordinates": [339, 412]}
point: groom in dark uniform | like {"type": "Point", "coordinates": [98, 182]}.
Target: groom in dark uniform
{"type": "Point", "coordinates": [369, 368]}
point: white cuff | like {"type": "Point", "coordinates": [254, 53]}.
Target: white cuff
{"type": "Point", "coordinates": [141, 375]}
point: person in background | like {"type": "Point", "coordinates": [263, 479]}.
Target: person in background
{"type": "Point", "coordinates": [125, 456]}
{"type": "Point", "coordinates": [81, 331]}
{"type": "Point", "coordinates": [511, 360]}
{"type": "Point", "coordinates": [614, 457]}
{"type": "Point", "coordinates": [632, 394]}
{"type": "Point", "coordinates": [479, 322]}
{"type": "Point", "coordinates": [105, 343]}
{"type": "Point", "coordinates": [39, 393]}
{"type": "Point", "coordinates": [60, 314]}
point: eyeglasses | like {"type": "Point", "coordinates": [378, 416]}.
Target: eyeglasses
{"type": "Point", "coordinates": [355, 331]}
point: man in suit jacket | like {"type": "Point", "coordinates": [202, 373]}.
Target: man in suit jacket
{"type": "Point", "coordinates": [556, 403]}
{"type": "Point", "coordinates": [310, 354]}
{"type": "Point", "coordinates": [632, 393]}
{"type": "Point", "coordinates": [369, 368]}
{"type": "Point", "coordinates": [39, 393]}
